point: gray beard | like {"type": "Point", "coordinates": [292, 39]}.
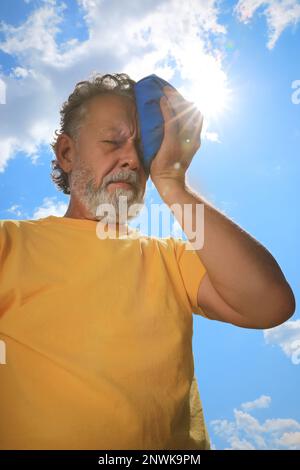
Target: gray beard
{"type": "Point", "coordinates": [92, 197]}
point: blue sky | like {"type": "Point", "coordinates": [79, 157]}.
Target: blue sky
{"type": "Point", "coordinates": [248, 164]}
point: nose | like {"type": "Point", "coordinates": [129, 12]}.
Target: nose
{"type": "Point", "coordinates": [130, 156]}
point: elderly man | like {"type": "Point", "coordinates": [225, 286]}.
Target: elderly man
{"type": "Point", "coordinates": [98, 331]}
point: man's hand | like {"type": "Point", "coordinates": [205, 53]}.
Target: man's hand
{"type": "Point", "coordinates": [182, 138]}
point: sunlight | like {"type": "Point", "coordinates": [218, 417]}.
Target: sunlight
{"type": "Point", "coordinates": [207, 85]}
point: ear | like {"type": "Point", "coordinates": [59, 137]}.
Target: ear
{"type": "Point", "coordinates": [65, 152]}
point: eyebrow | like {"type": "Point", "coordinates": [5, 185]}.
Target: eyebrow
{"type": "Point", "coordinates": [109, 128]}
{"type": "Point", "coordinates": [116, 129]}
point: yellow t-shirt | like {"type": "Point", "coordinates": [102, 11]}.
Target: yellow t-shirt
{"type": "Point", "coordinates": [98, 339]}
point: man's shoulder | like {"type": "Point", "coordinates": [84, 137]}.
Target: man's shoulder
{"type": "Point", "coordinates": [13, 227]}
{"type": "Point", "coordinates": [6, 225]}
{"type": "Point", "coordinates": [16, 223]}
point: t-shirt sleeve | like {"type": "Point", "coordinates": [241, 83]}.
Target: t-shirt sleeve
{"type": "Point", "coordinates": [192, 271]}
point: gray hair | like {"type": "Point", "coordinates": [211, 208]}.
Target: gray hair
{"type": "Point", "coordinates": [74, 110]}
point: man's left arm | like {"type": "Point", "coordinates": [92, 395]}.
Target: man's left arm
{"type": "Point", "coordinates": [244, 284]}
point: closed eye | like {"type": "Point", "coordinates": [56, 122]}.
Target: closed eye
{"type": "Point", "coordinates": [110, 141]}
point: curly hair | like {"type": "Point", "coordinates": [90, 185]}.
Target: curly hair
{"type": "Point", "coordinates": [74, 110]}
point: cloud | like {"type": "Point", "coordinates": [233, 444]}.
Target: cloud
{"type": "Point", "coordinates": [15, 210]}
{"type": "Point", "coordinates": [287, 337]}
{"type": "Point", "coordinates": [50, 206]}
{"type": "Point", "coordinates": [280, 14]}
{"type": "Point", "coordinates": [2, 92]}
{"type": "Point", "coordinates": [247, 432]}
{"type": "Point", "coordinates": [20, 72]}
{"type": "Point", "coordinates": [212, 136]}
{"type": "Point", "coordinates": [36, 35]}
{"type": "Point", "coordinates": [154, 36]}
{"type": "Point", "coordinates": [261, 402]}
{"type": "Point", "coordinates": [278, 424]}
{"type": "Point", "coordinates": [290, 440]}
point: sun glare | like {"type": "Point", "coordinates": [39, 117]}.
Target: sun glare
{"type": "Point", "coordinates": [207, 87]}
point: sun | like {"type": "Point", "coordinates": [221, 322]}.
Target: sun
{"type": "Point", "coordinates": [207, 87]}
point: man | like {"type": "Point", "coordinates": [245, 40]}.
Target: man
{"type": "Point", "coordinates": [98, 332]}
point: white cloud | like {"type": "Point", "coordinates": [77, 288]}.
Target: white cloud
{"type": "Point", "coordinates": [261, 402]}
{"type": "Point", "coordinates": [8, 146]}
{"type": "Point", "coordinates": [246, 421]}
{"type": "Point", "coordinates": [240, 444]}
{"type": "Point", "coordinates": [212, 136]}
{"type": "Point", "coordinates": [2, 92]}
{"type": "Point", "coordinates": [279, 14]}
{"type": "Point", "coordinates": [15, 210]}
{"type": "Point", "coordinates": [20, 72]}
{"type": "Point", "coordinates": [50, 206]}
{"type": "Point", "coordinates": [279, 424]}
{"type": "Point", "coordinates": [36, 35]}
{"type": "Point", "coordinates": [153, 36]}
{"type": "Point", "coordinates": [247, 432]}
{"type": "Point", "coordinates": [287, 337]}
{"type": "Point", "coordinates": [290, 440]}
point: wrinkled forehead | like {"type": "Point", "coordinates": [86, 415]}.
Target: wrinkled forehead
{"type": "Point", "coordinates": [114, 113]}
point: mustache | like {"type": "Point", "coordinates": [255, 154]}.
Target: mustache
{"type": "Point", "coordinates": [122, 175]}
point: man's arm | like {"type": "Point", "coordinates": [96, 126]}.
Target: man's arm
{"type": "Point", "coordinates": [243, 285]}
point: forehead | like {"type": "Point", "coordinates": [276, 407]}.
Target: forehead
{"type": "Point", "coordinates": [113, 113]}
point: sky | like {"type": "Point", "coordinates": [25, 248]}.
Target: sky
{"type": "Point", "coordinates": [239, 62]}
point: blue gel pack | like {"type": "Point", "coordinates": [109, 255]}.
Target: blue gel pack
{"type": "Point", "coordinates": [148, 92]}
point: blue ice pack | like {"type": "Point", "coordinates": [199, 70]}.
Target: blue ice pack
{"type": "Point", "coordinates": [148, 92]}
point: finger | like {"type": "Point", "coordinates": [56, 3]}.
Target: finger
{"type": "Point", "coordinates": [177, 102]}
{"type": "Point", "coordinates": [170, 119]}
{"type": "Point", "coordinates": [193, 120]}
{"type": "Point", "coordinates": [189, 119]}
{"type": "Point", "coordinates": [182, 108]}
{"type": "Point", "coordinates": [172, 92]}
{"type": "Point", "coordinates": [191, 131]}
{"type": "Point", "coordinates": [180, 105]}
